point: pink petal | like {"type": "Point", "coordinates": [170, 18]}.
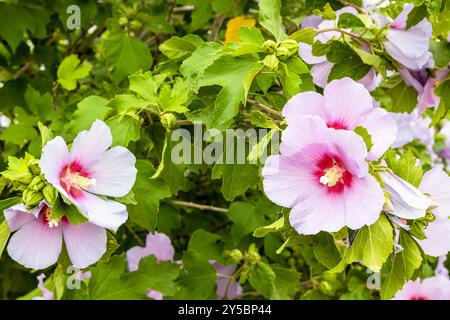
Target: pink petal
{"type": "Point", "coordinates": [371, 80]}
{"type": "Point", "coordinates": [88, 146]}
{"type": "Point", "coordinates": [311, 21]}
{"type": "Point", "coordinates": [156, 295]}
{"type": "Point", "coordinates": [407, 201]}
{"type": "Point", "coordinates": [46, 294]}
{"type": "Point", "coordinates": [54, 156]}
{"type": "Point", "coordinates": [303, 129]}
{"type": "Point", "coordinates": [134, 256]}
{"type": "Point", "coordinates": [17, 216]}
{"type": "Point", "coordinates": [35, 245]}
{"type": "Point", "coordinates": [382, 129]}
{"type": "Point", "coordinates": [234, 289]}
{"type": "Point", "coordinates": [305, 103]}
{"type": "Point", "coordinates": [160, 245]}
{"type": "Point", "coordinates": [320, 73]}
{"type": "Point", "coordinates": [346, 100]}
{"type": "Point", "coordinates": [85, 243]}
{"type": "Point", "coordinates": [287, 180]}
{"type": "Point", "coordinates": [428, 99]}
{"type": "Point", "coordinates": [104, 213]}
{"type": "Point", "coordinates": [305, 52]}
{"type": "Point", "coordinates": [437, 183]}
{"type": "Point", "coordinates": [437, 242]}
{"type": "Point", "coordinates": [114, 173]}
{"type": "Point", "coordinates": [400, 21]}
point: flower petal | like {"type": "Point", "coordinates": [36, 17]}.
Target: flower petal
{"type": "Point", "coordinates": [160, 245]}
{"type": "Point", "coordinates": [35, 245]}
{"type": "Point", "coordinates": [85, 243]}
{"type": "Point", "coordinates": [17, 216]}
{"type": "Point", "coordinates": [54, 156]}
{"type": "Point", "coordinates": [305, 52]}
{"type": "Point", "coordinates": [103, 212]}
{"type": "Point", "coordinates": [114, 173]}
{"type": "Point", "coordinates": [305, 103]}
{"type": "Point", "coordinates": [89, 145]}
{"type": "Point", "coordinates": [134, 256]}
{"type": "Point", "coordinates": [383, 130]}
{"type": "Point", "coordinates": [437, 183]}
{"type": "Point", "coordinates": [320, 73]}
{"type": "Point", "coordinates": [346, 100]}
{"type": "Point", "coordinates": [437, 242]}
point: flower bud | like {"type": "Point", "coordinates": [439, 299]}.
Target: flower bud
{"type": "Point", "coordinates": [253, 256]}
{"type": "Point", "coordinates": [37, 184]}
{"type": "Point", "coordinates": [31, 198]}
{"type": "Point", "coordinates": [33, 166]}
{"type": "Point", "coordinates": [236, 256]}
{"type": "Point", "coordinates": [271, 61]}
{"type": "Point", "coordinates": [287, 48]}
{"type": "Point", "coordinates": [168, 120]}
{"type": "Point", "coordinates": [135, 24]}
{"type": "Point", "coordinates": [269, 46]}
{"type": "Point", "coordinates": [50, 194]}
{"type": "Point", "coordinates": [24, 178]}
{"type": "Point", "coordinates": [123, 21]}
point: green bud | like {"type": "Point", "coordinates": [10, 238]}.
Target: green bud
{"type": "Point", "coordinates": [123, 21]}
{"type": "Point", "coordinates": [37, 184]}
{"type": "Point", "coordinates": [325, 286]}
{"type": "Point", "coordinates": [253, 256]}
{"type": "Point", "coordinates": [292, 262]}
{"type": "Point", "coordinates": [50, 194]}
{"type": "Point", "coordinates": [33, 166]}
{"type": "Point", "coordinates": [287, 48]}
{"type": "Point", "coordinates": [236, 256]}
{"type": "Point", "coordinates": [135, 25]}
{"type": "Point", "coordinates": [269, 46]}
{"type": "Point", "coordinates": [168, 120]}
{"type": "Point", "coordinates": [329, 276]}
{"type": "Point", "coordinates": [271, 62]}
{"type": "Point", "coordinates": [286, 253]}
{"type": "Point", "coordinates": [24, 178]}
{"type": "Point", "coordinates": [31, 198]}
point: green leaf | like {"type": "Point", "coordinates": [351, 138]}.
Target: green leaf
{"type": "Point", "coordinates": [126, 55]}
{"type": "Point", "coordinates": [177, 48]}
{"type": "Point", "coordinates": [270, 18]}
{"type": "Point", "coordinates": [39, 104]}
{"type": "Point", "coordinates": [71, 70]}
{"type": "Point", "coordinates": [441, 53]}
{"type": "Point", "coordinates": [175, 99]}
{"type": "Point", "coordinates": [145, 86]}
{"type": "Point", "coordinates": [124, 129]}
{"type": "Point", "coordinates": [259, 119]}
{"type": "Point", "coordinates": [373, 245]}
{"type": "Point", "coordinates": [88, 110]}
{"type": "Point", "coordinates": [350, 21]}
{"type": "Point", "coordinates": [148, 192]}
{"type": "Point", "coordinates": [365, 135]}
{"type": "Point", "coordinates": [245, 220]}
{"type": "Point", "coordinates": [405, 166]}
{"type": "Point", "coordinates": [326, 251]}
{"type": "Point", "coordinates": [205, 244]}
{"type": "Point", "coordinates": [443, 91]}
{"type": "Point", "coordinates": [416, 15]}
{"type": "Point", "coordinates": [236, 178]}
{"type": "Point", "coordinates": [197, 277]}
{"type": "Point", "coordinates": [273, 227]}
{"type": "Point", "coordinates": [262, 279]}
{"type": "Point", "coordinates": [352, 67]}
{"type": "Point", "coordinates": [287, 283]}
{"type": "Point", "coordinates": [403, 96]}
{"type": "Point", "coordinates": [4, 235]}
{"type": "Point", "coordinates": [304, 35]}
{"type": "Point", "coordinates": [405, 263]}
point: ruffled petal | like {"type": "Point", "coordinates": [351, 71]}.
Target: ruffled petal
{"type": "Point", "coordinates": [85, 243]}
{"type": "Point", "coordinates": [35, 245]}
{"type": "Point", "coordinates": [114, 173]}
{"type": "Point", "coordinates": [103, 212]}
{"type": "Point", "coordinates": [88, 146]}
{"type": "Point", "coordinates": [437, 183]}
{"type": "Point", "coordinates": [345, 101]}
{"type": "Point", "coordinates": [17, 216]}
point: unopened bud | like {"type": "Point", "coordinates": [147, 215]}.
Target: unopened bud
{"type": "Point", "coordinates": [236, 256]}
{"type": "Point", "coordinates": [253, 256]}
{"type": "Point", "coordinates": [50, 194]}
{"type": "Point", "coordinates": [168, 120]}
{"type": "Point", "coordinates": [271, 62]}
{"type": "Point", "coordinates": [33, 166]}
{"type": "Point", "coordinates": [31, 198]}
{"type": "Point", "coordinates": [135, 24]}
{"type": "Point", "coordinates": [37, 184]}
{"type": "Point", "coordinates": [123, 21]}
{"type": "Point", "coordinates": [287, 48]}
{"type": "Point", "coordinates": [269, 46]}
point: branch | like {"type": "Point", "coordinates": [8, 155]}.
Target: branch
{"type": "Point", "coordinates": [264, 107]}
{"type": "Point", "coordinates": [352, 35]}
{"type": "Point", "coordinates": [197, 206]}
{"type": "Point", "coordinates": [90, 40]}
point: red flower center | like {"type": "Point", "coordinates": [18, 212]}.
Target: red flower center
{"type": "Point", "coordinates": [338, 125]}
{"type": "Point", "coordinates": [332, 174]}
{"type": "Point", "coordinates": [45, 216]}
{"type": "Point", "coordinates": [74, 179]}
{"type": "Point", "coordinates": [419, 298]}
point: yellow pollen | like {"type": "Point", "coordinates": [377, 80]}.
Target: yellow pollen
{"type": "Point", "coordinates": [77, 181]}
{"type": "Point", "coordinates": [52, 223]}
{"type": "Point", "coordinates": [331, 177]}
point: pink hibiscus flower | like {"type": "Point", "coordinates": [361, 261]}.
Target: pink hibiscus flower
{"type": "Point", "coordinates": [346, 105]}
{"type": "Point", "coordinates": [322, 174]}
{"type": "Point", "coordinates": [409, 47]}
{"type": "Point", "coordinates": [90, 169]}
{"type": "Point", "coordinates": [321, 66]}
{"type": "Point", "coordinates": [37, 239]}
{"type": "Point", "coordinates": [434, 288]}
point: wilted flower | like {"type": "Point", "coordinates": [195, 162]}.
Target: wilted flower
{"type": "Point", "coordinates": [37, 239]}
{"type": "Point", "coordinates": [91, 168]}
{"type": "Point", "coordinates": [346, 105]}
{"type": "Point", "coordinates": [322, 175]}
